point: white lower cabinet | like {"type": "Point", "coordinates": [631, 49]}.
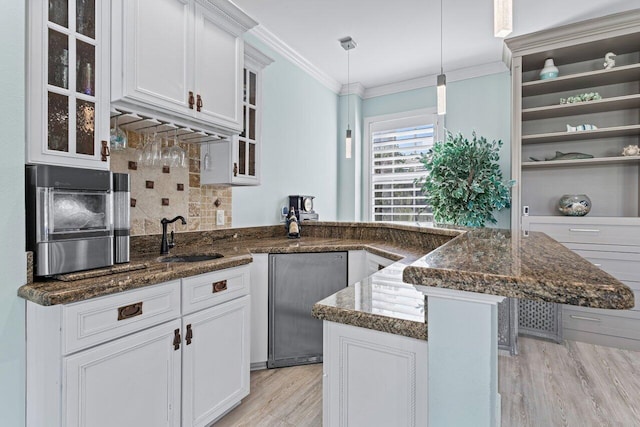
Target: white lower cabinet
{"type": "Point", "coordinates": [133, 381]}
{"type": "Point", "coordinates": [215, 370]}
{"type": "Point", "coordinates": [136, 359]}
{"type": "Point", "coordinates": [373, 378]}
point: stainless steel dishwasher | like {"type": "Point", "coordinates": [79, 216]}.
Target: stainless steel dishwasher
{"type": "Point", "coordinates": [296, 282]}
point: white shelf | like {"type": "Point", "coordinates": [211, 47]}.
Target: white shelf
{"type": "Point", "coordinates": [610, 132]}
{"type": "Point", "coordinates": [623, 74]}
{"type": "Point", "coordinates": [582, 162]}
{"type": "Point", "coordinates": [562, 110]}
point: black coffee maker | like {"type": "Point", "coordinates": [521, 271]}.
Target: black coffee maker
{"type": "Point", "coordinates": [303, 206]}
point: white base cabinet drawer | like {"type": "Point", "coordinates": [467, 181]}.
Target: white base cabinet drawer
{"type": "Point", "coordinates": [102, 319]}
{"type": "Point", "coordinates": [621, 265]}
{"type": "Point", "coordinates": [133, 381]}
{"type": "Point", "coordinates": [599, 323]}
{"type": "Point", "coordinates": [209, 289]}
{"type": "Point", "coordinates": [606, 231]}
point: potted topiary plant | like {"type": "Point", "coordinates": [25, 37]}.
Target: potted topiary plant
{"type": "Point", "coordinates": [463, 182]}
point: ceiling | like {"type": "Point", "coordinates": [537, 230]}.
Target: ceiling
{"type": "Point", "coordinates": [400, 40]}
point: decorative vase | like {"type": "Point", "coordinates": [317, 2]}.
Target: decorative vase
{"type": "Point", "coordinates": [574, 204]}
{"type": "Point", "coordinates": [550, 71]}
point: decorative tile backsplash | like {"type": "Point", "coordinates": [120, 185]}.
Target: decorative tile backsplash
{"type": "Point", "coordinates": [164, 192]}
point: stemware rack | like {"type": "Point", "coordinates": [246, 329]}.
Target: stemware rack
{"type": "Point", "coordinates": [131, 121]}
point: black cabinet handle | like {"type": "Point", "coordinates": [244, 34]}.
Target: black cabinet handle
{"type": "Point", "coordinates": [189, 335]}
{"type": "Point", "coordinates": [176, 339]}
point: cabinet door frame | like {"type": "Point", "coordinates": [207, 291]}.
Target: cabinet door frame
{"type": "Point", "coordinates": [37, 150]}
{"type": "Point", "coordinates": [190, 361]}
{"type": "Point", "coordinates": [203, 12]}
{"type": "Point", "coordinates": [73, 388]}
{"type": "Point", "coordinates": [125, 36]}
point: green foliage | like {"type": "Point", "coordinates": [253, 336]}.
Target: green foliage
{"type": "Point", "coordinates": [464, 183]}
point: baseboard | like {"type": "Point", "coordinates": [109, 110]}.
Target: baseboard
{"type": "Point", "coordinates": [257, 366]}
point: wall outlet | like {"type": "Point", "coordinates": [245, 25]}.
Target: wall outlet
{"type": "Point", "coordinates": [219, 217]}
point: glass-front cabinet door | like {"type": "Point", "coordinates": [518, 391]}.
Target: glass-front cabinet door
{"type": "Point", "coordinates": [68, 83]}
{"type": "Point", "coordinates": [247, 150]}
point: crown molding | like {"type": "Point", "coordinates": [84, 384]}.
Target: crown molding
{"type": "Point", "coordinates": [278, 45]}
{"type": "Point", "coordinates": [353, 89]}
{"type": "Point", "coordinates": [589, 30]}
{"type": "Point", "coordinates": [427, 81]}
{"type": "Point", "coordinates": [255, 57]}
{"type": "Point", "coordinates": [275, 43]}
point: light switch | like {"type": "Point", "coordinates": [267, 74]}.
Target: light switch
{"type": "Point", "coordinates": [219, 217]}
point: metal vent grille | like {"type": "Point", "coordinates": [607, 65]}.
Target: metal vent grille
{"type": "Point", "coordinates": [540, 319]}
{"type": "Point", "coordinates": [508, 325]}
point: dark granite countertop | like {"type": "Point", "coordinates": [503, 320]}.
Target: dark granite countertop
{"type": "Point", "coordinates": [381, 302]}
{"type": "Point", "coordinates": [533, 267]}
{"type": "Point", "coordinates": [483, 260]}
{"type": "Point", "coordinates": [237, 245]}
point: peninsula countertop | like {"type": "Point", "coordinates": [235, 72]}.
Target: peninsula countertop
{"type": "Point", "coordinates": [492, 261]}
{"type": "Point", "coordinates": [533, 267]}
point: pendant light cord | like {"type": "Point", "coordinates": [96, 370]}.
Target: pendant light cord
{"type": "Point", "coordinates": [348, 88]}
{"type": "Point", "coordinates": [441, 68]}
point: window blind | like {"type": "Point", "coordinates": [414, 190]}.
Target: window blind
{"type": "Point", "coordinates": [395, 165]}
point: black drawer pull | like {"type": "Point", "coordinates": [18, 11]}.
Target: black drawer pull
{"type": "Point", "coordinates": [219, 286]}
{"type": "Point", "coordinates": [129, 311]}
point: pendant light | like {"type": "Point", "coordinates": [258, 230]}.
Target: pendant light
{"type": "Point", "coordinates": [502, 17]}
{"type": "Point", "coordinates": [347, 44]}
{"type": "Point", "coordinates": [441, 88]}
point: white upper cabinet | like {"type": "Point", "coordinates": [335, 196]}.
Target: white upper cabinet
{"type": "Point", "coordinates": [238, 162]}
{"type": "Point", "coordinates": [68, 83]}
{"type": "Point", "coordinates": [180, 59]}
{"type": "Point", "coordinates": [156, 35]}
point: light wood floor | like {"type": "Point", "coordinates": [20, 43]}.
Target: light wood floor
{"type": "Point", "coordinates": [547, 385]}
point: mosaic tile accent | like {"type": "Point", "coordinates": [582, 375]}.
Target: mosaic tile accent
{"type": "Point", "coordinates": [181, 187]}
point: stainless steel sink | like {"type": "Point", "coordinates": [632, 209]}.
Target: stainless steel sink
{"type": "Point", "coordinates": [189, 258]}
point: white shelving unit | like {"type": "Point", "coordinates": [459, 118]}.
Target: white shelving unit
{"type": "Point", "coordinates": [609, 235]}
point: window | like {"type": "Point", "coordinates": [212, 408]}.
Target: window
{"type": "Point", "coordinates": [396, 147]}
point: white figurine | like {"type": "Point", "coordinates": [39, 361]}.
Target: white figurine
{"type": "Point", "coordinates": [609, 62]}
{"type": "Point", "coordinates": [581, 128]}
{"type": "Point", "coordinates": [631, 150]}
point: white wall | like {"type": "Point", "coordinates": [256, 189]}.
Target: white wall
{"type": "Point", "coordinates": [299, 126]}
{"type": "Point", "coordinates": [12, 240]}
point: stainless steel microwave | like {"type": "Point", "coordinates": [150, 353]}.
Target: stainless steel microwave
{"type": "Point", "coordinates": [69, 218]}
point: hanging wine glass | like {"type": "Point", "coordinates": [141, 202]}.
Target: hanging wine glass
{"type": "Point", "coordinates": [207, 158]}
{"type": "Point", "coordinates": [166, 153]}
{"type": "Point", "coordinates": [156, 149]}
{"type": "Point", "coordinates": [118, 138]}
{"type": "Point", "coordinates": [178, 154]}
